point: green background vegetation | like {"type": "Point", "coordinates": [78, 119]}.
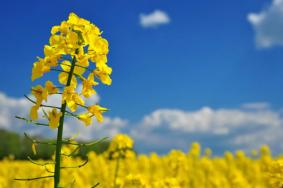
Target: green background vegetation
{"type": "Point", "coordinates": [13, 144]}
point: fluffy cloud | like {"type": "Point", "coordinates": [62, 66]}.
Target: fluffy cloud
{"type": "Point", "coordinates": [268, 25]}
{"type": "Point", "coordinates": [249, 126]}
{"type": "Point", "coordinates": [10, 107]}
{"type": "Point", "coordinates": [154, 19]}
{"type": "Point", "coordinates": [219, 121]}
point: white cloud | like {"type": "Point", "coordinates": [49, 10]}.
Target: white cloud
{"type": "Point", "coordinates": [154, 19]}
{"type": "Point", "coordinates": [268, 25]}
{"type": "Point", "coordinates": [219, 121]}
{"type": "Point", "coordinates": [244, 128]}
{"type": "Point", "coordinates": [9, 107]}
{"type": "Point", "coordinates": [109, 128]}
{"type": "Point", "coordinates": [271, 136]}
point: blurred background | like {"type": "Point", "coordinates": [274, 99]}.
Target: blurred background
{"type": "Point", "coordinates": [183, 71]}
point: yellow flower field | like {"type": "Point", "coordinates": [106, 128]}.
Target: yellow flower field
{"type": "Point", "coordinates": [195, 169]}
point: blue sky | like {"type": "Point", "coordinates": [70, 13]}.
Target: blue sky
{"type": "Point", "coordinates": [193, 57]}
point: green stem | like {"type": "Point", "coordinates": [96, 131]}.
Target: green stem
{"type": "Point", "coordinates": [60, 132]}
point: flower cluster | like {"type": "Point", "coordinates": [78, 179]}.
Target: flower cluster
{"type": "Point", "coordinates": [78, 52]}
{"type": "Point", "coordinates": [121, 147]}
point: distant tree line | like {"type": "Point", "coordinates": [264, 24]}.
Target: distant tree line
{"type": "Point", "coordinates": [13, 144]}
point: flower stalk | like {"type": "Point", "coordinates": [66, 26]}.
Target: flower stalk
{"type": "Point", "coordinates": [60, 132]}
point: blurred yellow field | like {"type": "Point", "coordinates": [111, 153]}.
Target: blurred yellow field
{"type": "Point", "coordinates": [174, 170]}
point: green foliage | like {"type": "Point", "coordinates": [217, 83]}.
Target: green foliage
{"type": "Point", "coordinates": [10, 143]}
{"type": "Point", "coordinates": [20, 147]}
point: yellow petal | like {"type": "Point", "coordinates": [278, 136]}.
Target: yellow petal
{"type": "Point", "coordinates": [33, 113]}
{"type": "Point", "coordinates": [99, 117]}
{"type": "Point", "coordinates": [33, 147]}
{"type": "Point", "coordinates": [97, 111]}
{"type": "Point", "coordinates": [86, 118]}
{"type": "Point", "coordinates": [73, 18]}
{"type": "Point", "coordinates": [72, 105]}
{"type": "Point", "coordinates": [54, 118]}
{"type": "Point", "coordinates": [66, 66]}
{"type": "Point", "coordinates": [63, 78]}
{"type": "Point", "coordinates": [55, 29]}
{"type": "Point", "coordinates": [50, 87]}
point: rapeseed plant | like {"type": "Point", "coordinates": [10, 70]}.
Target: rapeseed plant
{"type": "Point", "coordinates": [78, 52]}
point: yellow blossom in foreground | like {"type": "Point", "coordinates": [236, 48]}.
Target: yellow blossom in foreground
{"type": "Point", "coordinates": [78, 53]}
{"type": "Point", "coordinates": [88, 84]}
{"type": "Point", "coordinates": [39, 68]}
{"type": "Point", "coordinates": [86, 118]}
{"type": "Point", "coordinates": [72, 46]}
{"type": "Point", "coordinates": [97, 111]}
{"type": "Point", "coordinates": [103, 73]}
{"type": "Point", "coordinates": [33, 112]}
{"type": "Point", "coordinates": [54, 118]}
{"type": "Point", "coordinates": [50, 87]}
{"type": "Point", "coordinates": [72, 98]}
{"type": "Point", "coordinates": [40, 94]}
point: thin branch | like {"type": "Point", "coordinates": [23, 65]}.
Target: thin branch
{"type": "Point", "coordinates": [36, 163]}
{"type": "Point", "coordinates": [45, 113]}
{"type": "Point", "coordinates": [79, 166]}
{"type": "Point", "coordinates": [90, 70]}
{"type": "Point", "coordinates": [95, 185]}
{"type": "Point", "coordinates": [43, 164]}
{"type": "Point", "coordinates": [66, 142]}
{"type": "Point", "coordinates": [30, 179]}
{"type": "Point", "coordinates": [58, 70]}
{"type": "Point", "coordinates": [72, 153]}
{"type": "Point", "coordinates": [31, 121]}
{"type": "Point", "coordinates": [38, 142]}
{"type": "Point", "coordinates": [47, 170]}
{"type": "Point", "coordinates": [72, 114]}
{"type": "Point", "coordinates": [42, 105]}
{"type": "Point", "coordinates": [48, 93]}
{"type": "Point", "coordinates": [82, 105]}
{"type": "Point", "coordinates": [86, 144]}
{"type": "Point", "coordinates": [95, 142]}
{"type": "Point", "coordinates": [48, 106]}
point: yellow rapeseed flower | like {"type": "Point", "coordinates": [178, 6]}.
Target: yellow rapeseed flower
{"type": "Point", "coordinates": [54, 118]}
{"type": "Point", "coordinates": [72, 98]}
{"type": "Point", "coordinates": [86, 118]}
{"type": "Point", "coordinates": [50, 87]}
{"type": "Point", "coordinates": [88, 84]}
{"type": "Point", "coordinates": [33, 112]}
{"type": "Point", "coordinates": [97, 111]}
{"type": "Point", "coordinates": [73, 44]}
{"type": "Point", "coordinates": [40, 94]}
{"type": "Point", "coordinates": [39, 68]}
